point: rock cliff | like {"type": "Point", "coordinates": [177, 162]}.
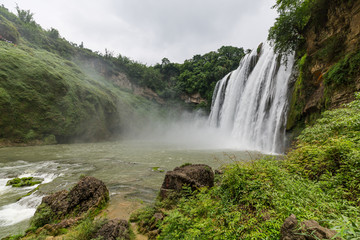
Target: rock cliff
{"type": "Point", "coordinates": [328, 75]}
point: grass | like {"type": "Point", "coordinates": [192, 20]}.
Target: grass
{"type": "Point", "coordinates": [251, 201]}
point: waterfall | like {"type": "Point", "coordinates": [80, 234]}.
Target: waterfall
{"type": "Point", "coordinates": [251, 103]}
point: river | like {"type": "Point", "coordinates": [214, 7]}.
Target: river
{"type": "Point", "coordinates": [134, 169]}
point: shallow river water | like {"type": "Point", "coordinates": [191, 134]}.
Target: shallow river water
{"type": "Point", "coordinates": [127, 167]}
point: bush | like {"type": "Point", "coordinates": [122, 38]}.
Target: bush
{"type": "Point", "coordinates": [329, 152]}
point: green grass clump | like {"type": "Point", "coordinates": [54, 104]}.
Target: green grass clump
{"type": "Point", "coordinates": [23, 182]}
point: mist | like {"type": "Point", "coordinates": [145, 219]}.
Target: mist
{"type": "Point", "coordinates": [186, 130]}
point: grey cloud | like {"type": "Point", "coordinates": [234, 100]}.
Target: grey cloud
{"type": "Point", "coordinates": [148, 30]}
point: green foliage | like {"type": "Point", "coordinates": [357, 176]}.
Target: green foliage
{"type": "Point", "coordinates": [287, 30]}
{"type": "Point", "coordinates": [8, 30]}
{"type": "Point", "coordinates": [201, 73]}
{"type": "Point", "coordinates": [347, 228]}
{"type": "Point", "coordinates": [144, 218]}
{"type": "Point", "coordinates": [42, 216]}
{"type": "Point", "coordinates": [251, 201]}
{"type": "Point", "coordinates": [331, 49]}
{"type": "Point", "coordinates": [297, 102]}
{"type": "Point", "coordinates": [329, 152]}
{"type": "Point", "coordinates": [24, 15]}
{"type": "Point", "coordinates": [51, 99]}
{"type": "Point", "coordinates": [345, 71]}
{"type": "Point", "coordinates": [318, 180]}
{"type": "Point", "coordinates": [23, 182]}
{"type": "Point", "coordinates": [86, 229]}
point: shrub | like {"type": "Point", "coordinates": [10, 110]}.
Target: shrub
{"type": "Point", "coordinates": [329, 151]}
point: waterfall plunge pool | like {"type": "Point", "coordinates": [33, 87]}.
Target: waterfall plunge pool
{"type": "Point", "coordinates": [128, 168]}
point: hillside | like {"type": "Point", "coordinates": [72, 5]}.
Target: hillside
{"type": "Point", "coordinates": [53, 90]}
{"type": "Point", "coordinates": [49, 93]}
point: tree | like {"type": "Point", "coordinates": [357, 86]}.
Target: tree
{"type": "Point", "coordinates": [286, 33]}
{"type": "Point", "coordinates": [24, 16]}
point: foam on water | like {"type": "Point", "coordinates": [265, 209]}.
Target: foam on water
{"type": "Point", "coordinates": [25, 208]}
{"type": "Point", "coordinates": [19, 211]}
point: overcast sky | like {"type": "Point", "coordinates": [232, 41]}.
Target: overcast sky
{"type": "Point", "coordinates": [148, 30]}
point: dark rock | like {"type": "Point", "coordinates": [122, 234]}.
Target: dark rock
{"type": "Point", "coordinates": [195, 176]}
{"type": "Point", "coordinates": [312, 228]}
{"type": "Point", "coordinates": [52, 229]}
{"type": "Point", "coordinates": [153, 234]}
{"type": "Point", "coordinates": [88, 193]}
{"type": "Point", "coordinates": [219, 172]}
{"type": "Point", "coordinates": [114, 229]}
{"type": "Point", "coordinates": [307, 230]}
{"type": "Point", "coordinates": [158, 217]}
{"type": "Point", "coordinates": [289, 229]}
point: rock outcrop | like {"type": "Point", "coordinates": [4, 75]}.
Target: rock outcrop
{"type": "Point", "coordinates": [194, 176]}
{"type": "Point", "coordinates": [88, 193]}
{"type": "Point", "coordinates": [193, 98]}
{"type": "Point", "coordinates": [307, 230]}
{"type": "Point", "coordinates": [113, 230]}
{"type": "Point", "coordinates": [333, 33]}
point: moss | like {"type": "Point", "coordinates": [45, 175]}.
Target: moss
{"type": "Point", "coordinates": [42, 216]}
{"type": "Point", "coordinates": [297, 102]}
{"type": "Point", "coordinates": [332, 49]}
{"type": "Point", "coordinates": [29, 193]}
{"type": "Point", "coordinates": [345, 71]}
{"type": "Point", "coordinates": [23, 182]}
{"type": "Point", "coordinates": [186, 164]}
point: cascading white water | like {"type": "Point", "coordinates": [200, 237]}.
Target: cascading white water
{"type": "Point", "coordinates": [251, 102]}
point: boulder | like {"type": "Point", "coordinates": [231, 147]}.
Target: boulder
{"type": "Point", "coordinates": [114, 229]}
{"type": "Point", "coordinates": [88, 193]}
{"type": "Point", "coordinates": [307, 230]}
{"type": "Point", "coordinates": [195, 176]}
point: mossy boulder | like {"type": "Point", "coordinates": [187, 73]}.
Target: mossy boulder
{"type": "Point", "coordinates": [89, 194]}
{"type": "Point", "coordinates": [194, 176]}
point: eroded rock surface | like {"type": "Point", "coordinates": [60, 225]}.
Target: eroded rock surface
{"type": "Point", "coordinates": [88, 193]}
{"type": "Point", "coordinates": [307, 230]}
{"type": "Point", "coordinates": [195, 176]}
{"type": "Point", "coordinates": [114, 229]}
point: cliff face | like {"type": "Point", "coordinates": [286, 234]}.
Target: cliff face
{"type": "Point", "coordinates": [328, 75]}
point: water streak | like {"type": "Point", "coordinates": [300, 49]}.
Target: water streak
{"type": "Point", "coordinates": [251, 103]}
